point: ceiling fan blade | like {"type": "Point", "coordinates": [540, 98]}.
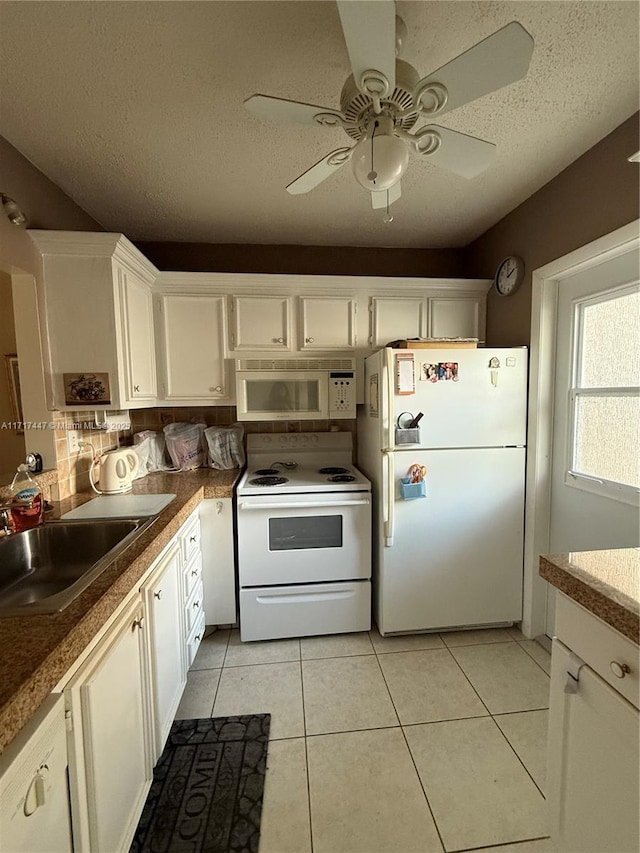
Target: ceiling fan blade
{"type": "Point", "coordinates": [280, 109]}
{"type": "Point", "coordinates": [320, 171]}
{"type": "Point", "coordinates": [379, 199]}
{"type": "Point", "coordinates": [461, 154]}
{"type": "Point", "coordinates": [497, 61]}
{"type": "Point", "coordinates": [369, 28]}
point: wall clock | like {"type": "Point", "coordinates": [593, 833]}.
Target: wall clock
{"type": "Point", "coordinates": [509, 275]}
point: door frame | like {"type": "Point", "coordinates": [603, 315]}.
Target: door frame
{"type": "Point", "coordinates": [544, 298]}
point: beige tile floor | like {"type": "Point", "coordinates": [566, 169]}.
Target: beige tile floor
{"type": "Point", "coordinates": [418, 744]}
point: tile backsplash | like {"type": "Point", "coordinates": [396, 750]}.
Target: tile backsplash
{"type": "Point", "coordinates": [73, 468]}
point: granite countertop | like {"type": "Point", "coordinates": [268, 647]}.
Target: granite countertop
{"type": "Point", "coordinates": [36, 651]}
{"type": "Point", "coordinates": [607, 583]}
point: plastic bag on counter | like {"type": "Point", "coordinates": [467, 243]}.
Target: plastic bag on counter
{"type": "Point", "coordinates": [150, 446]}
{"type": "Point", "coordinates": [225, 448]}
{"type": "Point", "coordinates": [186, 445]}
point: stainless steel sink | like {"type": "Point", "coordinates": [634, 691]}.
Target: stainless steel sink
{"type": "Point", "coordinates": [44, 569]}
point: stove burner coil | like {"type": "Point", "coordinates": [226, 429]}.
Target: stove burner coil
{"type": "Point", "coordinates": [268, 481]}
{"type": "Point", "coordinates": [333, 470]}
{"type": "Point", "coordinates": [341, 478]}
{"type": "Point", "coordinates": [267, 471]}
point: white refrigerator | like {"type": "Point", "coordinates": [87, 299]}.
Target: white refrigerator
{"type": "Point", "coordinates": [453, 556]}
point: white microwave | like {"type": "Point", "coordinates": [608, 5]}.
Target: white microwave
{"type": "Point", "coordinates": [295, 389]}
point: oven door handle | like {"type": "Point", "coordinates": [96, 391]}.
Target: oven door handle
{"type": "Point", "coordinates": [316, 505]}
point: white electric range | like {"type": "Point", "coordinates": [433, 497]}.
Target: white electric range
{"type": "Point", "coordinates": [304, 537]}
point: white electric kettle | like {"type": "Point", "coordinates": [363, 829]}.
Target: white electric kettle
{"type": "Point", "coordinates": [117, 471]}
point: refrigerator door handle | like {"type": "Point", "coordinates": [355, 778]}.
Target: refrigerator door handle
{"type": "Point", "coordinates": [390, 500]}
{"type": "Point", "coordinates": [389, 390]}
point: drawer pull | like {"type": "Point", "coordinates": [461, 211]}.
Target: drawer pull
{"type": "Point", "coordinates": [196, 604]}
{"type": "Point", "coordinates": [619, 669]}
{"type": "Point", "coordinates": [136, 388]}
{"type": "Point", "coordinates": [138, 623]}
{"type": "Point", "coordinates": [158, 594]}
{"type": "Point", "coordinates": [192, 539]}
{"type": "Point", "coordinates": [194, 572]}
{"type": "Point", "coordinates": [197, 637]}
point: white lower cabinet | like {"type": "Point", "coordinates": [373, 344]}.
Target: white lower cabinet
{"type": "Point", "coordinates": [109, 746]}
{"type": "Point", "coordinates": [165, 632]}
{"type": "Point", "coordinates": [34, 795]}
{"type": "Point", "coordinates": [218, 567]}
{"type": "Point", "coordinates": [113, 718]}
{"type": "Point", "coordinates": [594, 745]}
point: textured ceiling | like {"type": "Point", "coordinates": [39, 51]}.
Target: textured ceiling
{"type": "Point", "coordinates": [135, 110]}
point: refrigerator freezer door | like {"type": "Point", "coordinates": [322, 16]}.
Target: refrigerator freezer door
{"type": "Point", "coordinates": [485, 406]}
{"type": "Point", "coordinates": [457, 554]}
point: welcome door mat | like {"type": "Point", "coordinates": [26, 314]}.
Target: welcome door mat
{"type": "Point", "coordinates": [206, 794]}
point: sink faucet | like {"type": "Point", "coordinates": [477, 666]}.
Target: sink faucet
{"type": "Point", "coordinates": [7, 527]}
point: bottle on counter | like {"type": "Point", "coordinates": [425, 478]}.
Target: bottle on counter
{"type": "Point", "coordinates": [27, 503]}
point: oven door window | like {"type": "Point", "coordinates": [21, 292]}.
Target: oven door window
{"type": "Point", "coordinates": [303, 533]}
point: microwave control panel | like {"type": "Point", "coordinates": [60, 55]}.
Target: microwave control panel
{"type": "Point", "coordinates": [342, 394]}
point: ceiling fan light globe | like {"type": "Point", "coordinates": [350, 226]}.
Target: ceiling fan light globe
{"type": "Point", "coordinates": [381, 163]}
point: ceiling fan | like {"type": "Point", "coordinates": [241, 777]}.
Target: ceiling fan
{"type": "Point", "coordinates": [384, 98]}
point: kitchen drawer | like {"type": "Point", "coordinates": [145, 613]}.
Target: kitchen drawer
{"type": "Point", "coordinates": [195, 639]}
{"type": "Point", "coordinates": [190, 538]}
{"type": "Point", "coordinates": [599, 646]}
{"type": "Point", "coordinates": [191, 575]}
{"type": "Point", "coordinates": [194, 607]}
{"type": "Point", "coordinates": [273, 612]}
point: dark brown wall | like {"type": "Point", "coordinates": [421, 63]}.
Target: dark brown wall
{"type": "Point", "coordinates": [593, 196]}
{"type": "Point", "coordinates": [304, 260]}
{"type": "Point", "coordinates": [45, 204]}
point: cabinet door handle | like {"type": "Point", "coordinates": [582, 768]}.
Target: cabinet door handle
{"type": "Point", "coordinates": [309, 340]}
{"type": "Point", "coordinates": [138, 623]}
{"type": "Point", "coordinates": [197, 637]}
{"type": "Point", "coordinates": [194, 572]}
{"type": "Point", "coordinates": [219, 389]}
{"type": "Point", "coordinates": [619, 669]}
{"type": "Point", "coordinates": [158, 594]}
{"type": "Point", "coordinates": [136, 388]}
{"type": "Point", "coordinates": [278, 340]}
{"type": "Point", "coordinates": [196, 604]}
{"type": "Point", "coordinates": [192, 538]}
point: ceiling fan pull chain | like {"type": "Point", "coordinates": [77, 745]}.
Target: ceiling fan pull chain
{"type": "Point", "coordinates": [373, 174]}
{"type": "Point", "coordinates": [388, 217]}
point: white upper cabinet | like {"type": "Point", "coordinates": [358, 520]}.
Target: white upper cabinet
{"type": "Point", "coordinates": [137, 352]}
{"type": "Point", "coordinates": [458, 317]}
{"type": "Point", "coordinates": [261, 323]}
{"type": "Point", "coordinates": [327, 323]}
{"type": "Point", "coordinates": [191, 348]}
{"type": "Point", "coordinates": [95, 291]}
{"type": "Point", "coordinates": [393, 318]}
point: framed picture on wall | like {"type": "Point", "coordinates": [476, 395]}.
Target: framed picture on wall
{"type": "Point", "coordinates": [15, 400]}
{"type": "Point", "coordinates": [86, 389]}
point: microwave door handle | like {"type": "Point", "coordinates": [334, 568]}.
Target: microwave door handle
{"type": "Point", "coordinates": [390, 501]}
{"type": "Point", "coordinates": [318, 505]}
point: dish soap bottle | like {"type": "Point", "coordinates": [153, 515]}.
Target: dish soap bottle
{"type": "Point", "coordinates": [27, 505]}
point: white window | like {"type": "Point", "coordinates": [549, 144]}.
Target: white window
{"type": "Point", "coordinates": [604, 452]}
